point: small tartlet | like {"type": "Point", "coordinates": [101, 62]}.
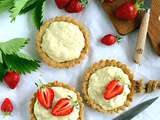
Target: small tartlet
{"type": "Point", "coordinates": [102, 64]}
{"type": "Point", "coordinates": [66, 64]}
{"type": "Point", "coordinates": [58, 84]}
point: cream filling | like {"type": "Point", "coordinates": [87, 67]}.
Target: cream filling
{"type": "Point", "coordinates": [98, 82]}
{"type": "Point", "coordinates": [42, 114]}
{"type": "Point", "coordinates": [63, 41]}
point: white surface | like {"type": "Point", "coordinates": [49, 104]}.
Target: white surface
{"type": "Point", "coordinates": [99, 25]}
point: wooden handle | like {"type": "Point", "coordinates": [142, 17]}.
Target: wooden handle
{"type": "Point", "coordinates": [141, 40]}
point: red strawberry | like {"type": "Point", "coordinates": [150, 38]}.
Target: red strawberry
{"type": "Point", "coordinates": [62, 3]}
{"type": "Point", "coordinates": [45, 97]}
{"type": "Point", "coordinates": [110, 39]}
{"type": "Point", "coordinates": [12, 79]}
{"type": "Point", "coordinates": [76, 6]}
{"type": "Point", "coordinates": [63, 107]}
{"type": "Point", "coordinates": [7, 107]}
{"type": "Point", "coordinates": [129, 10]}
{"type": "Point", "coordinates": [110, 1]}
{"type": "Point", "coordinates": [113, 89]}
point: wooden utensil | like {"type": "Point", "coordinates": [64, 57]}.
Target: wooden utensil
{"type": "Point", "coordinates": [141, 39]}
{"type": "Point", "coordinates": [154, 26]}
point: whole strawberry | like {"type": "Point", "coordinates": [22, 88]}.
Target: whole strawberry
{"type": "Point", "coordinates": [110, 39]}
{"type": "Point", "coordinates": [62, 3]}
{"type": "Point", "coordinates": [129, 10]}
{"type": "Point", "coordinates": [7, 107]}
{"type": "Point", "coordinates": [76, 6]}
{"type": "Point", "coordinates": [12, 79]}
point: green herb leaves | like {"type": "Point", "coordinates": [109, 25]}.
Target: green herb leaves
{"type": "Point", "coordinates": [13, 46]}
{"type": "Point", "coordinates": [18, 7]}
{"type": "Point", "coordinates": [38, 13]}
{"type": "Point", "coordinates": [5, 4]}
{"type": "Point", "coordinates": [12, 59]}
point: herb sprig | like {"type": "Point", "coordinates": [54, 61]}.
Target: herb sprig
{"type": "Point", "coordinates": [19, 7]}
{"type": "Point", "coordinates": [11, 59]}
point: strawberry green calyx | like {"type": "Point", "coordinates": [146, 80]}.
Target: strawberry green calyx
{"type": "Point", "coordinates": [139, 5]}
{"type": "Point", "coordinates": [84, 2]}
{"type": "Point", "coordinates": [73, 102]}
{"type": "Point", "coordinates": [40, 84]}
{"type": "Point", "coordinates": [119, 38]}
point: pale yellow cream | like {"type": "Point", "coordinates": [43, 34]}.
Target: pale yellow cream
{"type": "Point", "coordinates": [98, 82]}
{"type": "Point", "coordinates": [63, 41]}
{"type": "Point", "coordinates": [42, 114]}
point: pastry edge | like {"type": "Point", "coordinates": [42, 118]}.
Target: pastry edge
{"type": "Point", "coordinates": [66, 64]}
{"type": "Point", "coordinates": [102, 64]}
{"type": "Point", "coordinates": [58, 84]}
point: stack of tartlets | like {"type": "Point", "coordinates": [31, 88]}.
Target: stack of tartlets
{"type": "Point", "coordinates": [62, 42]}
{"type": "Point", "coordinates": [61, 91]}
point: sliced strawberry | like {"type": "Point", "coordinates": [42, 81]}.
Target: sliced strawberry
{"type": "Point", "coordinates": [45, 97]}
{"type": "Point", "coordinates": [76, 6]}
{"type": "Point", "coordinates": [113, 89]}
{"type": "Point", "coordinates": [7, 107]}
{"type": "Point", "coordinates": [63, 107]}
{"type": "Point", "coordinates": [62, 3]}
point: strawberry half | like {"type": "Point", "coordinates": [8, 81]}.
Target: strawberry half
{"type": "Point", "coordinates": [12, 78]}
{"type": "Point", "coordinates": [45, 97]}
{"type": "Point", "coordinates": [113, 89]}
{"type": "Point", "coordinates": [7, 107]}
{"type": "Point", "coordinates": [76, 6]}
{"type": "Point", "coordinates": [62, 3]}
{"type": "Point", "coordinates": [63, 107]}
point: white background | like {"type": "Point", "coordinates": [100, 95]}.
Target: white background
{"type": "Point", "coordinates": [99, 24]}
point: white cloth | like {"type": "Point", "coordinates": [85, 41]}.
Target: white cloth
{"type": "Point", "coordinates": [99, 24]}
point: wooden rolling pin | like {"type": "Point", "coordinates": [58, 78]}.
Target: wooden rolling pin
{"type": "Point", "coordinates": [141, 40]}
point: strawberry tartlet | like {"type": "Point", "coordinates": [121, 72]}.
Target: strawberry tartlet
{"type": "Point", "coordinates": [56, 101]}
{"type": "Point", "coordinates": [108, 86]}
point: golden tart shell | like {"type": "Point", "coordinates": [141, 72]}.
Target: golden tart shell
{"type": "Point", "coordinates": [65, 64]}
{"type": "Point", "coordinates": [58, 84]}
{"type": "Point", "coordinates": [99, 65]}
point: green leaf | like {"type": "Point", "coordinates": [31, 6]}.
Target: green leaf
{"type": "Point", "coordinates": [13, 46]}
{"type": "Point", "coordinates": [5, 4]}
{"type": "Point", "coordinates": [20, 64]}
{"type": "Point", "coordinates": [22, 55]}
{"type": "Point", "coordinates": [1, 59]}
{"type": "Point", "coordinates": [38, 13]}
{"type": "Point", "coordinates": [3, 71]}
{"type": "Point", "coordinates": [17, 7]}
{"type": "Point", "coordinates": [29, 6]}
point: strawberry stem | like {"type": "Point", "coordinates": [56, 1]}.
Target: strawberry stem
{"type": "Point", "coordinates": [84, 2]}
{"type": "Point", "coordinates": [40, 84]}
{"type": "Point", "coordinates": [119, 38]}
{"type": "Point", "coordinates": [139, 5]}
